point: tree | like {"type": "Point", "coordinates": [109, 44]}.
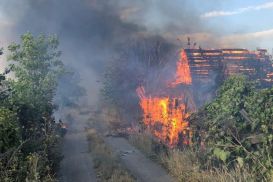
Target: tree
{"type": "Point", "coordinates": [37, 67]}
{"type": "Point", "coordinates": [9, 129]}
{"type": "Point", "coordinates": [9, 132]}
{"type": "Point", "coordinates": [27, 128]}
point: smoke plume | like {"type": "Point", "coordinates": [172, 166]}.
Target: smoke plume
{"type": "Point", "coordinates": [92, 32]}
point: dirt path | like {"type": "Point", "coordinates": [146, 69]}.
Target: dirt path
{"type": "Point", "coordinates": [139, 165]}
{"type": "Point", "coordinates": [77, 164]}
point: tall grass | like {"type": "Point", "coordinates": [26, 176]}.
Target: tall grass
{"type": "Point", "coordinates": [185, 166]}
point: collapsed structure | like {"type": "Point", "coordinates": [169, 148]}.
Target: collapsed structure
{"type": "Point", "coordinates": [210, 67]}
{"type": "Point", "coordinates": [199, 72]}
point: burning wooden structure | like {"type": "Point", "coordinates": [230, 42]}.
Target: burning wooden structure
{"type": "Point", "coordinates": [198, 73]}
{"type": "Point", "coordinates": [210, 67]}
{"type": "Point", "coordinates": [205, 62]}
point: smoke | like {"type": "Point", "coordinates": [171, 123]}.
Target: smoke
{"type": "Point", "coordinates": [92, 32]}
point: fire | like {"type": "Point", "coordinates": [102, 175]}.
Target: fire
{"type": "Point", "coordinates": [166, 116]}
{"type": "Point", "coordinates": [183, 73]}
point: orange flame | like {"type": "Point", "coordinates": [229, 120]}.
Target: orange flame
{"type": "Point", "coordinates": [166, 117]}
{"type": "Point", "coordinates": [183, 73]}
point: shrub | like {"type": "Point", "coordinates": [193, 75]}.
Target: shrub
{"type": "Point", "coordinates": [237, 127]}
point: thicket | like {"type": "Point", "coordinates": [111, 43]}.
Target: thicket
{"type": "Point", "coordinates": [235, 130]}
{"type": "Point", "coordinates": [29, 145]}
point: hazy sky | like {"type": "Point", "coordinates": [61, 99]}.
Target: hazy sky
{"type": "Point", "coordinates": [241, 23]}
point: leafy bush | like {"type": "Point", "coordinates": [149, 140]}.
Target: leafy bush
{"type": "Point", "coordinates": [237, 127]}
{"type": "Point", "coordinates": [9, 130]}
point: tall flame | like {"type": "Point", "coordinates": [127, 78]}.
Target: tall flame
{"type": "Point", "coordinates": [183, 73]}
{"type": "Point", "coordinates": [166, 116]}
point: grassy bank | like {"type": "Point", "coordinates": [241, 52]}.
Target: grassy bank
{"type": "Point", "coordinates": [106, 163]}
{"type": "Point", "coordinates": [185, 164]}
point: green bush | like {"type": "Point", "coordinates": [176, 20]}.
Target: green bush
{"type": "Point", "coordinates": [237, 127]}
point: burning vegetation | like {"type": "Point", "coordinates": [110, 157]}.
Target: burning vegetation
{"type": "Point", "coordinates": [166, 115]}
{"type": "Point", "coordinates": [165, 111]}
{"type": "Point", "coordinates": [168, 96]}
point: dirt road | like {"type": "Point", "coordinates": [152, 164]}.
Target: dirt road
{"type": "Point", "coordinates": [139, 165]}
{"type": "Point", "coordinates": [77, 164]}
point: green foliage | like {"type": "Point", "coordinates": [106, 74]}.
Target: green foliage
{"type": "Point", "coordinates": [33, 174]}
{"type": "Point", "coordinates": [221, 154]}
{"type": "Point", "coordinates": [230, 98]}
{"type": "Point", "coordinates": [26, 109]}
{"type": "Point", "coordinates": [13, 167]}
{"type": "Point", "coordinates": [37, 67]}
{"type": "Point", "coordinates": [9, 130]}
{"type": "Point", "coordinates": [238, 127]}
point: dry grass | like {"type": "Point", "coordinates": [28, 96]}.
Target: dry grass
{"type": "Point", "coordinates": [184, 165]}
{"type": "Point", "coordinates": [181, 165]}
{"type": "Point", "coordinates": [110, 116]}
{"type": "Point", "coordinates": [121, 176]}
{"type": "Point", "coordinates": [105, 162]}
{"type": "Point", "coordinates": [143, 142]}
